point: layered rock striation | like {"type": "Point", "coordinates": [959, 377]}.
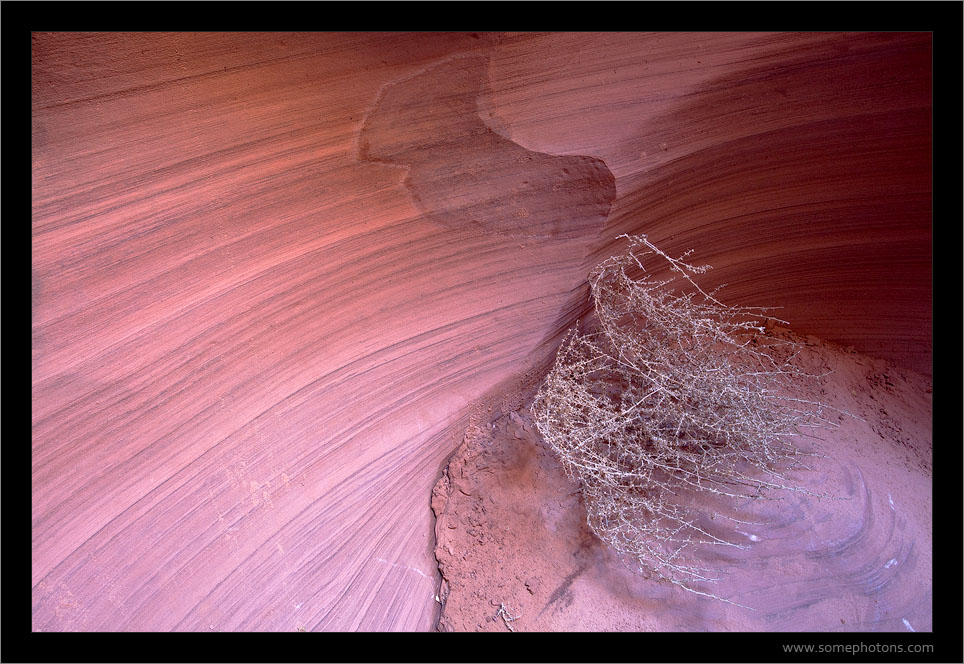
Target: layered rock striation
{"type": "Point", "coordinates": [276, 276]}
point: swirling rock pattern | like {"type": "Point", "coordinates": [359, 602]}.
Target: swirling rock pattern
{"type": "Point", "coordinates": [276, 276]}
{"type": "Point", "coordinates": [463, 175]}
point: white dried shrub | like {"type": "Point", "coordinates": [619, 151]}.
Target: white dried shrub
{"type": "Point", "coordinates": [674, 398]}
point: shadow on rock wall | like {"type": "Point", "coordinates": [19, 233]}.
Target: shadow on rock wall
{"type": "Point", "coordinates": [465, 176]}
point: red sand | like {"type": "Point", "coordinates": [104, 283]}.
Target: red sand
{"type": "Point", "coordinates": [511, 529]}
{"type": "Point", "coordinates": [275, 275]}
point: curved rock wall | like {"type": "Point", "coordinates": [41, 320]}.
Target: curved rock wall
{"type": "Point", "coordinates": [275, 276]}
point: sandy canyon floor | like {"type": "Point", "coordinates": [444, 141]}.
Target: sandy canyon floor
{"type": "Point", "coordinates": [516, 553]}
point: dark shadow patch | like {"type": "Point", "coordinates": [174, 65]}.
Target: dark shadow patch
{"type": "Point", "coordinates": [464, 176]}
{"type": "Point", "coordinates": [562, 592]}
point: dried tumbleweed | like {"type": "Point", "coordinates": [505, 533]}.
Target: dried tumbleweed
{"type": "Point", "coordinates": [674, 397]}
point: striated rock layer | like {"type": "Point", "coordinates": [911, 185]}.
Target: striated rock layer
{"type": "Point", "coordinates": [276, 276]}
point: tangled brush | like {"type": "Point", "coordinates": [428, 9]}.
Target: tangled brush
{"type": "Point", "coordinates": [674, 398]}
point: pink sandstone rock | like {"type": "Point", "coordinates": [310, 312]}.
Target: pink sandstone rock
{"type": "Point", "coordinates": [276, 277]}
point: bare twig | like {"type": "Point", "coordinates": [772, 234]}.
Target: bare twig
{"type": "Point", "coordinates": [503, 613]}
{"type": "Point", "coordinates": [673, 395]}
